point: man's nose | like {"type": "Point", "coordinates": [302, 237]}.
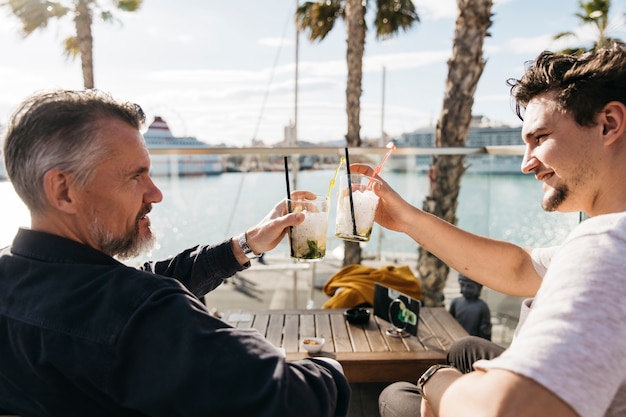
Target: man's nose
{"type": "Point", "coordinates": [154, 194]}
{"type": "Point", "coordinates": [529, 162]}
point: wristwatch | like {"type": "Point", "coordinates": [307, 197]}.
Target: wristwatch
{"type": "Point", "coordinates": [426, 376]}
{"type": "Point", "coordinates": [243, 244]}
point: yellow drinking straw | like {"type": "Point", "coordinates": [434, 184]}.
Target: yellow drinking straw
{"type": "Point", "coordinates": [334, 178]}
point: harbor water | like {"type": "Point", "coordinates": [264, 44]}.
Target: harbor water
{"type": "Point", "coordinates": [209, 209]}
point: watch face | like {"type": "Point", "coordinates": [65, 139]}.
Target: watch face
{"type": "Point", "coordinates": [249, 254]}
{"type": "Point", "coordinates": [243, 244]}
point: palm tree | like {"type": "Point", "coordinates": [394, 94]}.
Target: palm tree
{"type": "Point", "coordinates": [35, 14]}
{"type": "Point", "coordinates": [596, 14]}
{"type": "Point", "coordinates": [464, 70]}
{"type": "Point", "coordinates": [319, 18]}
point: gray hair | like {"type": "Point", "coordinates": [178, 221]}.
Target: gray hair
{"type": "Point", "coordinates": [60, 129]}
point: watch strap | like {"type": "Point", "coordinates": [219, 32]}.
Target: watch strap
{"type": "Point", "coordinates": [242, 240]}
{"type": "Point", "coordinates": [427, 375]}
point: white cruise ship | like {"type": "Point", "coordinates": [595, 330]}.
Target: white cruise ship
{"type": "Point", "coordinates": [159, 136]}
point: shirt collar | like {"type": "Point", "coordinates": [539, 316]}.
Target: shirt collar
{"type": "Point", "coordinates": [48, 247]}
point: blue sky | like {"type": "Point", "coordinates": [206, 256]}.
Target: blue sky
{"type": "Point", "coordinates": [223, 71]}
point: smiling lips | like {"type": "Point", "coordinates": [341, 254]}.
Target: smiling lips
{"type": "Point", "coordinates": [544, 176]}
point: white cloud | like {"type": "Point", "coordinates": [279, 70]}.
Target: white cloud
{"type": "Point", "coordinates": [530, 45]}
{"type": "Point", "coordinates": [184, 38]}
{"type": "Point", "coordinates": [404, 60]}
{"type": "Point", "coordinates": [439, 9]}
{"type": "Point", "coordinates": [208, 76]}
{"type": "Point", "coordinates": [152, 30]}
{"type": "Point", "coordinates": [276, 42]}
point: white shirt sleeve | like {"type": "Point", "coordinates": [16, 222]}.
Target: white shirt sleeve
{"type": "Point", "coordinates": [541, 258]}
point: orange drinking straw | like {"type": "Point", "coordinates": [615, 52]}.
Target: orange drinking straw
{"type": "Point", "coordinates": [379, 168]}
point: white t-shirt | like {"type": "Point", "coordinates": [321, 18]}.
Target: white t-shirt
{"type": "Point", "coordinates": [573, 340]}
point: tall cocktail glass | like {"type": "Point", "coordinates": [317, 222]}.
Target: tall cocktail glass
{"type": "Point", "coordinates": [355, 219]}
{"type": "Point", "coordinates": [308, 239]}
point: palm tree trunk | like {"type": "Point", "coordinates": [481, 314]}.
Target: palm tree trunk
{"type": "Point", "coordinates": [355, 28]}
{"type": "Point", "coordinates": [84, 40]}
{"type": "Point", "coordinates": [464, 70]}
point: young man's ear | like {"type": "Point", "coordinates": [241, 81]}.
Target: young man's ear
{"type": "Point", "coordinates": [613, 120]}
{"type": "Point", "coordinates": [57, 185]}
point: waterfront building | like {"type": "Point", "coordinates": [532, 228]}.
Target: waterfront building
{"type": "Point", "coordinates": [482, 132]}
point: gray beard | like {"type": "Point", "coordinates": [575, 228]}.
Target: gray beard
{"type": "Point", "coordinates": [122, 247]}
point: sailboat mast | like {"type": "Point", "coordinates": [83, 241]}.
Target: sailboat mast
{"type": "Point", "coordinates": [297, 58]}
{"type": "Point", "coordinates": [382, 110]}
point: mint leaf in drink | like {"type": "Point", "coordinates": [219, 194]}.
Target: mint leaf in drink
{"type": "Point", "coordinates": [314, 251]}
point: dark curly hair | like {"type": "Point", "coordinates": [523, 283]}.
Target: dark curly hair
{"type": "Point", "coordinates": [583, 84]}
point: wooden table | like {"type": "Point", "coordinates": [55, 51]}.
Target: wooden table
{"type": "Point", "coordinates": [366, 352]}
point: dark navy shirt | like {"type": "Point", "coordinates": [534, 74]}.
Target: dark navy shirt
{"type": "Point", "coordinates": [82, 334]}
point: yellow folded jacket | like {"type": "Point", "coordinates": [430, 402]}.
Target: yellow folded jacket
{"type": "Point", "coordinates": [353, 285]}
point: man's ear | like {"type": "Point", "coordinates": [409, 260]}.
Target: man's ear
{"type": "Point", "coordinates": [58, 186]}
{"type": "Point", "coordinates": [613, 120]}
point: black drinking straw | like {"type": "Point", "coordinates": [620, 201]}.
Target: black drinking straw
{"type": "Point", "coordinates": [350, 193]}
{"type": "Point", "coordinates": [287, 183]}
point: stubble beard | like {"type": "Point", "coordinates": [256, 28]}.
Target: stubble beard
{"type": "Point", "coordinates": [573, 188]}
{"type": "Point", "coordinates": [556, 198]}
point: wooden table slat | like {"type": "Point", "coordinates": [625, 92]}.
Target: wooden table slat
{"type": "Point", "coordinates": [307, 327]}
{"type": "Point", "coordinates": [261, 321]}
{"type": "Point", "coordinates": [427, 338]}
{"type": "Point", "coordinates": [340, 333]}
{"type": "Point", "coordinates": [447, 331]}
{"type": "Point", "coordinates": [395, 343]}
{"type": "Point", "coordinates": [375, 338]}
{"type": "Point", "coordinates": [275, 329]}
{"type": "Point", "coordinates": [360, 342]}
{"type": "Point", "coordinates": [323, 329]}
{"type": "Point", "coordinates": [291, 335]}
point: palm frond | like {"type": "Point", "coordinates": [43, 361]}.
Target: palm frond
{"type": "Point", "coordinates": [596, 14]}
{"type": "Point", "coordinates": [564, 35]}
{"type": "Point", "coordinates": [128, 5]}
{"type": "Point", "coordinates": [318, 17]}
{"type": "Point", "coordinates": [70, 47]}
{"type": "Point", "coordinates": [35, 14]}
{"type": "Point", "coordinates": [393, 15]}
{"type": "Point", "coordinates": [574, 51]}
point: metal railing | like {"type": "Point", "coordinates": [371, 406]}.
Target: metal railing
{"type": "Point", "coordinates": [327, 150]}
